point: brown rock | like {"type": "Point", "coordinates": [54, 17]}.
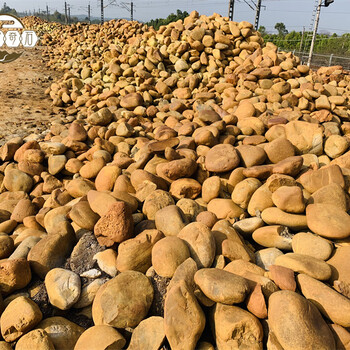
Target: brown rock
{"type": "Point", "coordinates": [82, 215]}
{"type": "Point", "coordinates": [306, 137]}
{"type": "Point", "coordinates": [309, 265]}
{"type": "Point", "coordinates": [224, 208]}
{"type": "Point", "coordinates": [222, 158]}
{"type": "Point", "coordinates": [236, 328]}
{"type": "Point", "coordinates": [136, 253]}
{"type": "Point", "coordinates": [300, 325]}
{"type": "Point", "coordinates": [155, 201]}
{"type": "Point", "coordinates": [107, 177]}
{"type": "Point", "coordinates": [341, 336]}
{"type": "Point", "coordinates": [315, 179]}
{"type": "Point", "coordinates": [63, 288]}
{"type": "Point", "coordinates": [340, 264]}
{"type": "Point", "coordinates": [184, 320]}
{"type": "Point", "coordinates": [330, 194]}
{"type": "Point", "coordinates": [115, 226]}
{"type": "Point", "coordinates": [289, 199]}
{"type": "Point", "coordinates": [63, 333]}
{"type": "Point", "coordinates": [37, 339]}
{"type": "Point", "coordinates": [185, 188]}
{"type": "Point", "coordinates": [168, 254]}
{"type": "Point", "coordinates": [51, 251]}
{"type": "Point", "coordinates": [170, 220]}
{"type": "Point", "coordinates": [275, 216]}
{"type": "Point", "coordinates": [207, 218]}
{"type": "Point", "coordinates": [221, 286]}
{"type": "Point", "coordinates": [312, 245]}
{"type": "Point", "coordinates": [329, 302]}
{"type": "Point", "coordinates": [177, 168]}
{"type": "Point", "coordinates": [251, 155]}
{"type": "Point", "coordinates": [283, 277]}
{"type": "Point", "coordinates": [131, 101]}
{"type": "Point", "coordinates": [328, 221]}
{"type": "Point", "coordinates": [123, 301]}
{"type": "Point", "coordinates": [149, 334]}
{"type": "Point", "coordinates": [6, 246]}
{"type": "Point", "coordinates": [200, 242]}
{"type": "Point", "coordinates": [16, 180]}
{"type": "Point", "coordinates": [256, 302]}
{"type": "Point", "coordinates": [100, 338]}
{"type": "Point", "coordinates": [14, 274]}
{"type": "Point", "coordinates": [20, 316]}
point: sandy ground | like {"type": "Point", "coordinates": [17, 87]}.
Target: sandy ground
{"type": "Point", "coordinates": [24, 107]}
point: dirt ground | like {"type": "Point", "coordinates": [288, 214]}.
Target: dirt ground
{"type": "Point", "coordinates": [24, 107]}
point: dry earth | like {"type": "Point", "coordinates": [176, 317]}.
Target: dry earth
{"type": "Point", "coordinates": [24, 107]}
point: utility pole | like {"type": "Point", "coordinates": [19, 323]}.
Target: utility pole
{"type": "Point", "coordinates": [302, 39]}
{"type": "Point", "coordinates": [317, 19]}
{"type": "Point", "coordinates": [47, 12]}
{"type": "Point", "coordinates": [89, 13]}
{"type": "Point", "coordinates": [132, 11]}
{"type": "Point", "coordinates": [102, 14]}
{"type": "Point", "coordinates": [65, 12]}
{"type": "Point", "coordinates": [257, 15]}
{"type": "Point", "coordinates": [230, 9]}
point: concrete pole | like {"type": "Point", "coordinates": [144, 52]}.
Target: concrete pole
{"type": "Point", "coordinates": [102, 14]}
{"type": "Point", "coordinates": [230, 9]}
{"type": "Point", "coordinates": [317, 19]}
{"type": "Point", "coordinates": [257, 15]}
{"type": "Point", "coordinates": [302, 39]}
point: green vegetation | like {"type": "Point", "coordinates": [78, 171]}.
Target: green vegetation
{"type": "Point", "coordinates": [8, 10]}
{"type": "Point", "coordinates": [156, 23]}
{"type": "Point", "coordinates": [324, 44]}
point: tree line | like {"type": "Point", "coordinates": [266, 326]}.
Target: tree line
{"type": "Point", "coordinates": [324, 43]}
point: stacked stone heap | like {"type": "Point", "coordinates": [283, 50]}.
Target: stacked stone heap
{"type": "Point", "coordinates": [193, 195]}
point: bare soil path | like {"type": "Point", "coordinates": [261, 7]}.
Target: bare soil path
{"type": "Point", "coordinates": [24, 107]}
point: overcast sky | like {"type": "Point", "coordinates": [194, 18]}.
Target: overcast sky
{"type": "Point", "coordinates": [295, 14]}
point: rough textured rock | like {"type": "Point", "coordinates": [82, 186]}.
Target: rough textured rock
{"type": "Point", "coordinates": [115, 226]}
{"type": "Point", "coordinates": [82, 257]}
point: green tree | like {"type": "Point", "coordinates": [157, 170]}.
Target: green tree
{"type": "Point", "coordinates": [8, 10]}
{"type": "Point", "coordinates": [281, 28]}
{"type": "Point", "coordinates": [262, 30]}
{"type": "Point", "coordinates": [156, 23]}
